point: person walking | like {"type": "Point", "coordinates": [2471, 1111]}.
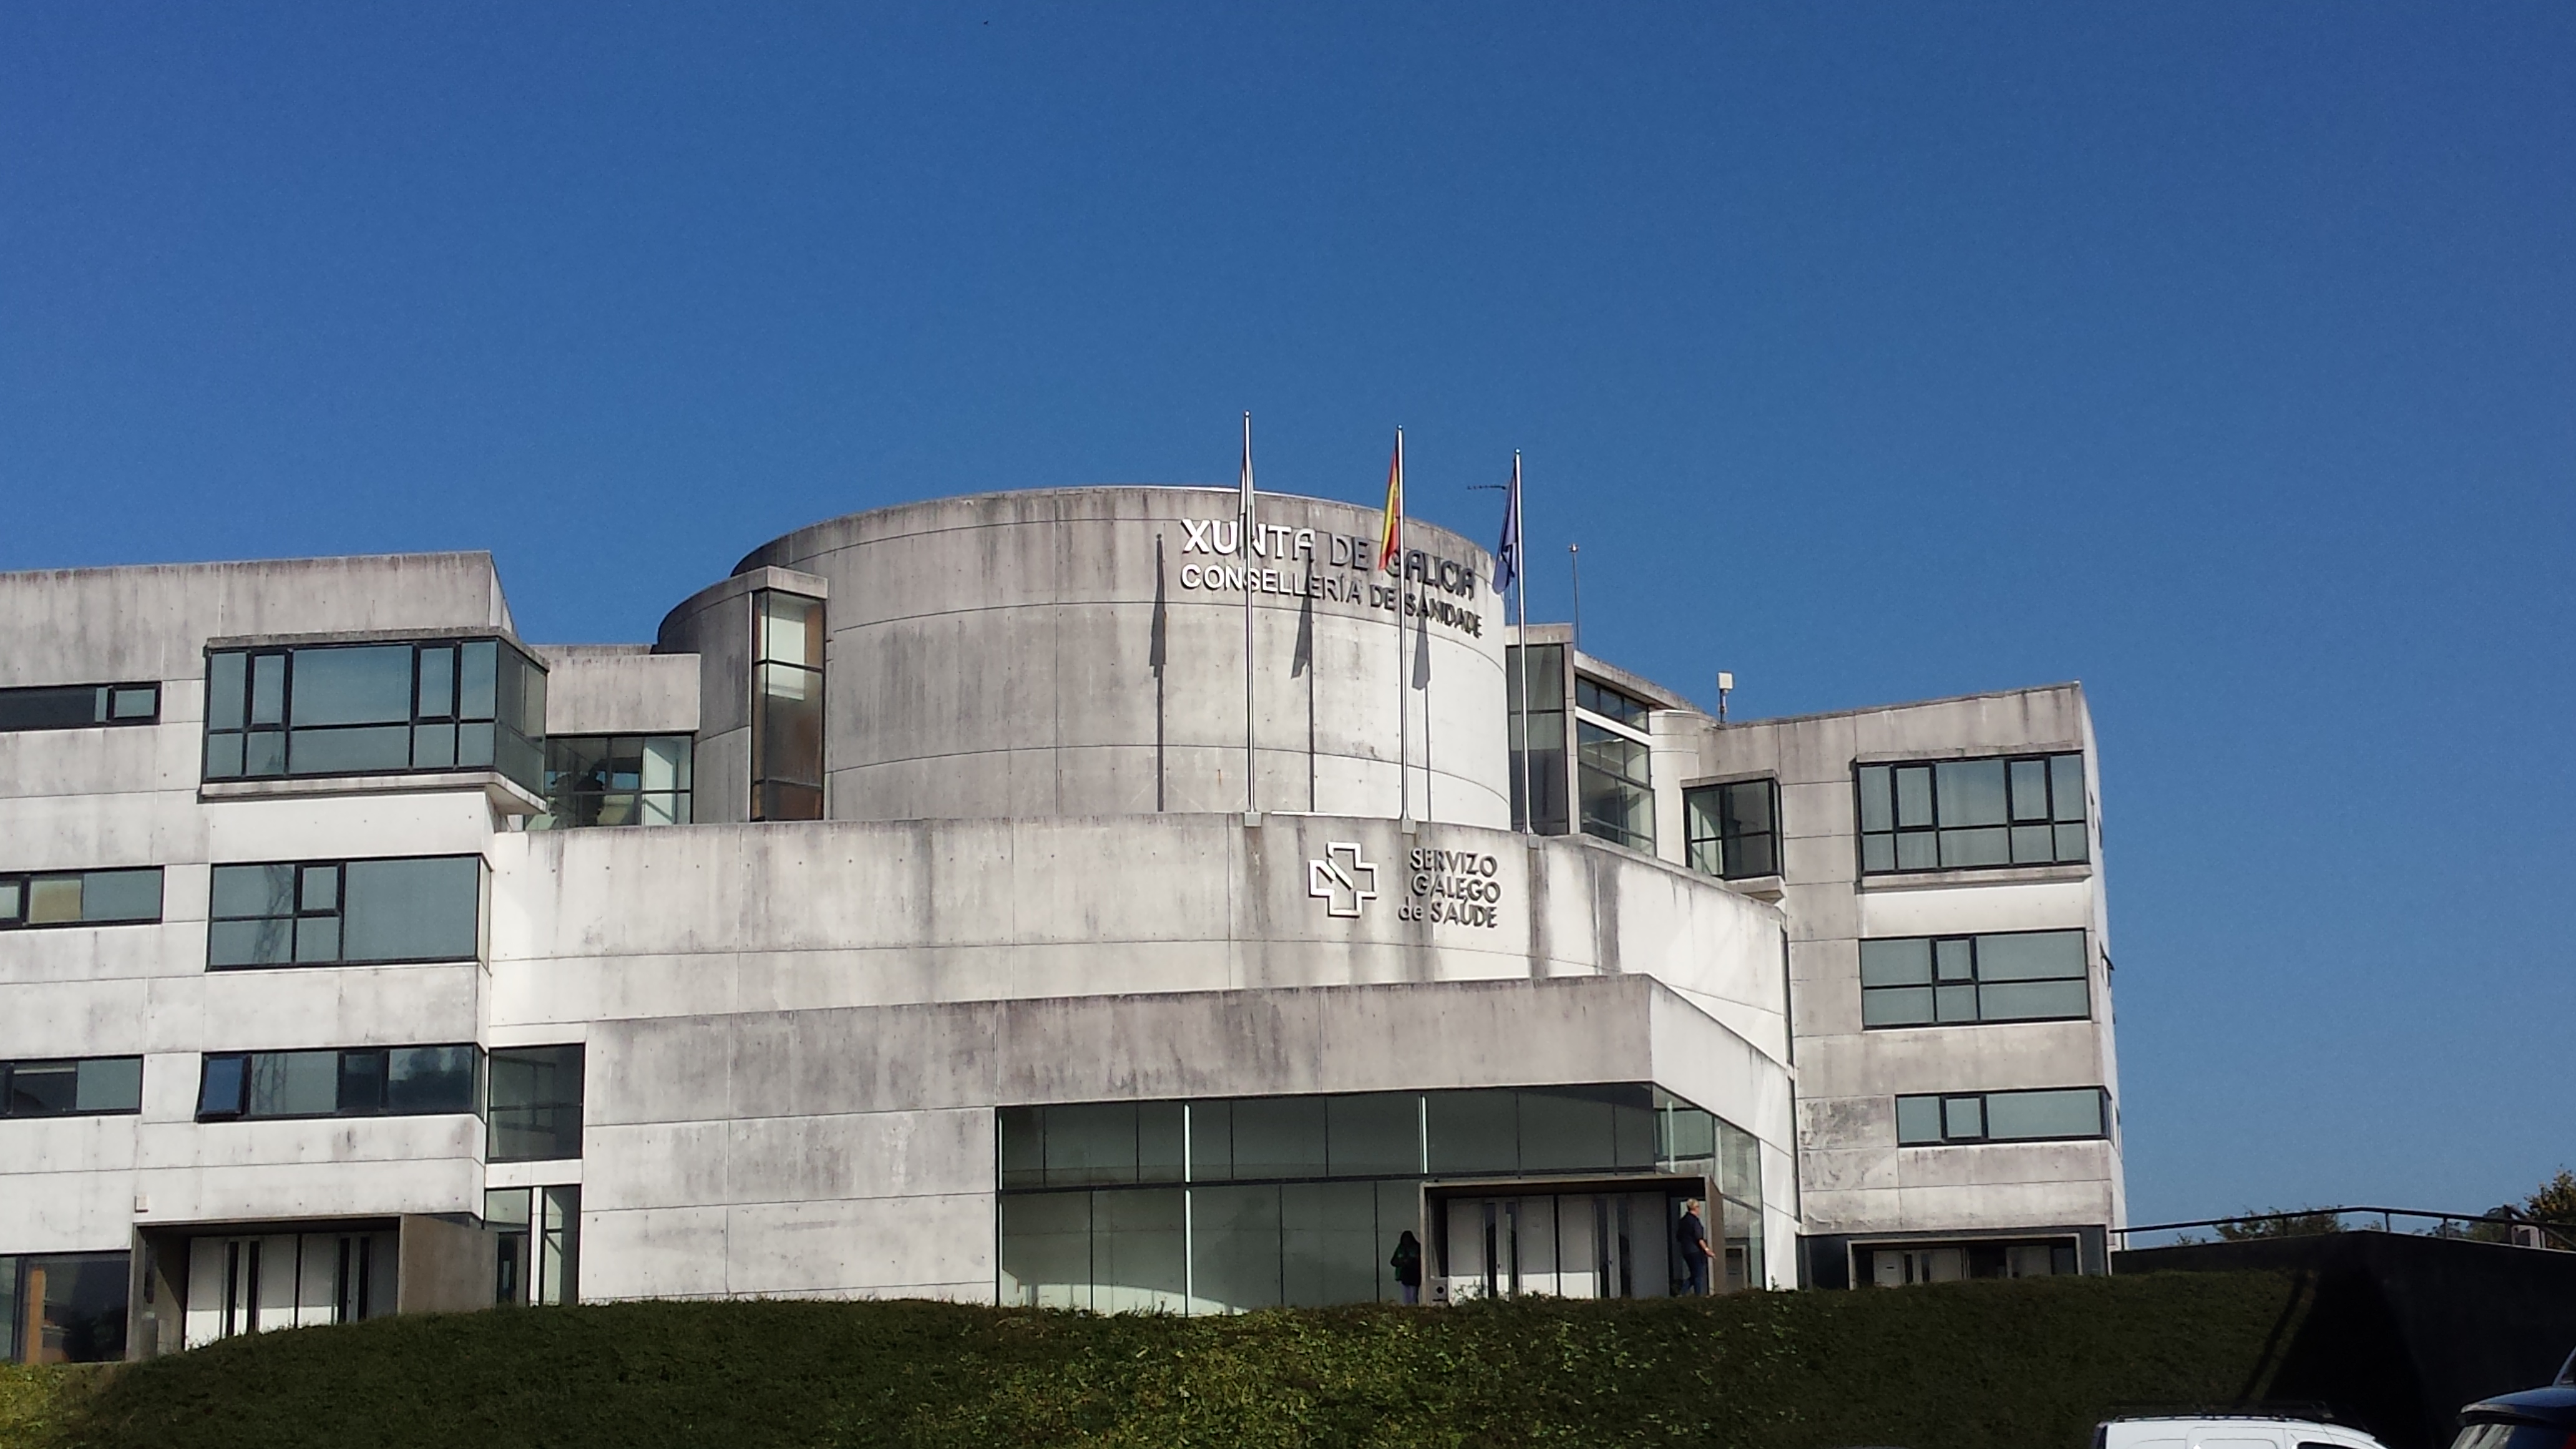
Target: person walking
{"type": "Point", "coordinates": [1407, 1263]}
{"type": "Point", "coordinates": [1691, 1236]}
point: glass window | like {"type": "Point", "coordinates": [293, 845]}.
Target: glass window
{"type": "Point", "coordinates": [1279, 1137]}
{"type": "Point", "coordinates": [1948, 980]}
{"type": "Point", "coordinates": [78, 706]}
{"type": "Point", "coordinates": [1611, 703]}
{"type": "Point", "coordinates": [2052, 1115]}
{"type": "Point", "coordinates": [1972, 814]}
{"type": "Point", "coordinates": [2034, 1116]}
{"type": "Point", "coordinates": [339, 709]}
{"type": "Point", "coordinates": [535, 1103]}
{"type": "Point", "coordinates": [64, 1308]}
{"type": "Point", "coordinates": [81, 898]}
{"type": "Point", "coordinates": [1302, 1200]}
{"type": "Point", "coordinates": [1614, 786]}
{"type": "Point", "coordinates": [1537, 737]}
{"type": "Point", "coordinates": [357, 912]}
{"type": "Point", "coordinates": [616, 780]}
{"type": "Point", "coordinates": [1373, 1134]}
{"type": "Point", "coordinates": [1093, 1142]}
{"type": "Point", "coordinates": [1733, 830]}
{"type": "Point", "coordinates": [786, 707]}
{"type": "Point", "coordinates": [1474, 1133]}
{"type": "Point", "coordinates": [355, 1082]}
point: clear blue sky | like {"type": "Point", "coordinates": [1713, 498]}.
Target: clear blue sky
{"type": "Point", "coordinates": [2220, 356]}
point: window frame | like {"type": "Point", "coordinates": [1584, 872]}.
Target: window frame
{"type": "Point", "coordinates": [1984, 1137]}
{"type": "Point", "coordinates": [240, 1062]}
{"type": "Point", "coordinates": [682, 799]}
{"type": "Point", "coordinates": [1976, 979]}
{"type": "Point", "coordinates": [492, 1110]}
{"type": "Point", "coordinates": [10, 1067]}
{"type": "Point", "coordinates": [1692, 842]}
{"type": "Point", "coordinates": [105, 699]}
{"type": "Point", "coordinates": [1897, 832]}
{"type": "Point", "coordinates": [764, 777]}
{"type": "Point", "coordinates": [339, 912]}
{"type": "Point", "coordinates": [24, 903]}
{"type": "Point", "coordinates": [453, 718]}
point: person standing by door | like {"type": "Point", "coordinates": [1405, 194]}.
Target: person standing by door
{"type": "Point", "coordinates": [1691, 1236]}
{"type": "Point", "coordinates": [1407, 1263]}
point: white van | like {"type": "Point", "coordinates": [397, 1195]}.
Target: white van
{"type": "Point", "coordinates": [2228, 1431]}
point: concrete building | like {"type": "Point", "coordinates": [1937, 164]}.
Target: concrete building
{"type": "Point", "coordinates": [913, 917]}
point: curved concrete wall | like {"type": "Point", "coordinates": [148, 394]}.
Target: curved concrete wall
{"type": "Point", "coordinates": [1064, 653]}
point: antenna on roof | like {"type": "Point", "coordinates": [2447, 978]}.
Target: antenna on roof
{"type": "Point", "coordinates": [1725, 686]}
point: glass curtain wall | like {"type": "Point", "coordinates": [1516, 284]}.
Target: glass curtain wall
{"type": "Point", "coordinates": [370, 709]}
{"type": "Point", "coordinates": [786, 707]}
{"type": "Point", "coordinates": [616, 780]}
{"type": "Point", "coordinates": [1538, 761]}
{"type": "Point", "coordinates": [1226, 1205]}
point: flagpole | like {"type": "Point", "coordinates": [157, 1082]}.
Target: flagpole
{"type": "Point", "coordinates": [1403, 685]}
{"type": "Point", "coordinates": [1243, 555]}
{"type": "Point", "coordinates": [1520, 595]}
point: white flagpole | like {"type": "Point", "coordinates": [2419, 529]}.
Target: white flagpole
{"type": "Point", "coordinates": [1520, 592]}
{"type": "Point", "coordinates": [1243, 555]}
{"type": "Point", "coordinates": [1403, 681]}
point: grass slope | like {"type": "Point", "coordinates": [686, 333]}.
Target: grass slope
{"type": "Point", "coordinates": [1972, 1365]}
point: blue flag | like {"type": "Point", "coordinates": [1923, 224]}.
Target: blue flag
{"type": "Point", "coordinates": [1507, 554]}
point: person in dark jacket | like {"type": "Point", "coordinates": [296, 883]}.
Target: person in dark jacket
{"type": "Point", "coordinates": [1407, 1263]}
{"type": "Point", "coordinates": [1690, 1235]}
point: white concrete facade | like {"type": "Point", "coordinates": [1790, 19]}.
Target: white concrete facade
{"type": "Point", "coordinates": [1036, 887]}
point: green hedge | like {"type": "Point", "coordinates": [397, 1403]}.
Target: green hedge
{"type": "Point", "coordinates": [1972, 1365]}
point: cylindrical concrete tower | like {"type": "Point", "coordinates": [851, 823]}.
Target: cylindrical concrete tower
{"type": "Point", "coordinates": [1081, 652]}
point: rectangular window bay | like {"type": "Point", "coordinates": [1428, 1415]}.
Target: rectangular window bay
{"type": "Point", "coordinates": [1733, 829]}
{"type": "Point", "coordinates": [594, 780]}
{"type": "Point", "coordinates": [1955, 980]}
{"type": "Point", "coordinates": [786, 706]}
{"type": "Point", "coordinates": [364, 709]}
{"type": "Point", "coordinates": [78, 706]}
{"type": "Point", "coordinates": [1972, 814]}
{"type": "Point", "coordinates": [71, 1087]}
{"type": "Point", "coordinates": [346, 912]}
{"type": "Point", "coordinates": [121, 897]}
{"type": "Point", "coordinates": [402, 1081]}
{"type": "Point", "coordinates": [1953, 1118]}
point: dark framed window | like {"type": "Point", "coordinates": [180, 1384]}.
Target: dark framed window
{"type": "Point", "coordinates": [1614, 783]}
{"type": "Point", "coordinates": [534, 1106]}
{"type": "Point", "coordinates": [71, 1087]}
{"type": "Point", "coordinates": [1538, 741]}
{"type": "Point", "coordinates": [64, 1307]}
{"type": "Point", "coordinates": [1734, 828]}
{"type": "Point", "coordinates": [121, 897]}
{"type": "Point", "coordinates": [356, 1082]}
{"type": "Point", "coordinates": [616, 780]}
{"type": "Point", "coordinates": [79, 706]}
{"type": "Point", "coordinates": [1951, 980]}
{"type": "Point", "coordinates": [786, 706]}
{"type": "Point", "coordinates": [1972, 814]}
{"type": "Point", "coordinates": [1951, 1118]}
{"type": "Point", "coordinates": [346, 912]}
{"type": "Point", "coordinates": [540, 1244]}
{"type": "Point", "coordinates": [370, 709]}
{"type": "Point", "coordinates": [1610, 703]}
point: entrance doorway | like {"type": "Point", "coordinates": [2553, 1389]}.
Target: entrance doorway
{"type": "Point", "coordinates": [1566, 1240]}
{"type": "Point", "coordinates": [249, 1284]}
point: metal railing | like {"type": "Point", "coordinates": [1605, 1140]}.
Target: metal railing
{"type": "Point", "coordinates": [2305, 1222]}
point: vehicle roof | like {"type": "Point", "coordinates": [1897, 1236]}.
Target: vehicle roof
{"type": "Point", "coordinates": [2553, 1405]}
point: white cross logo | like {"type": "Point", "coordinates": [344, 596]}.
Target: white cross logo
{"type": "Point", "coordinates": [1341, 880]}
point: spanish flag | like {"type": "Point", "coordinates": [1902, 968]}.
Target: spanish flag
{"type": "Point", "coordinates": [1390, 539]}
